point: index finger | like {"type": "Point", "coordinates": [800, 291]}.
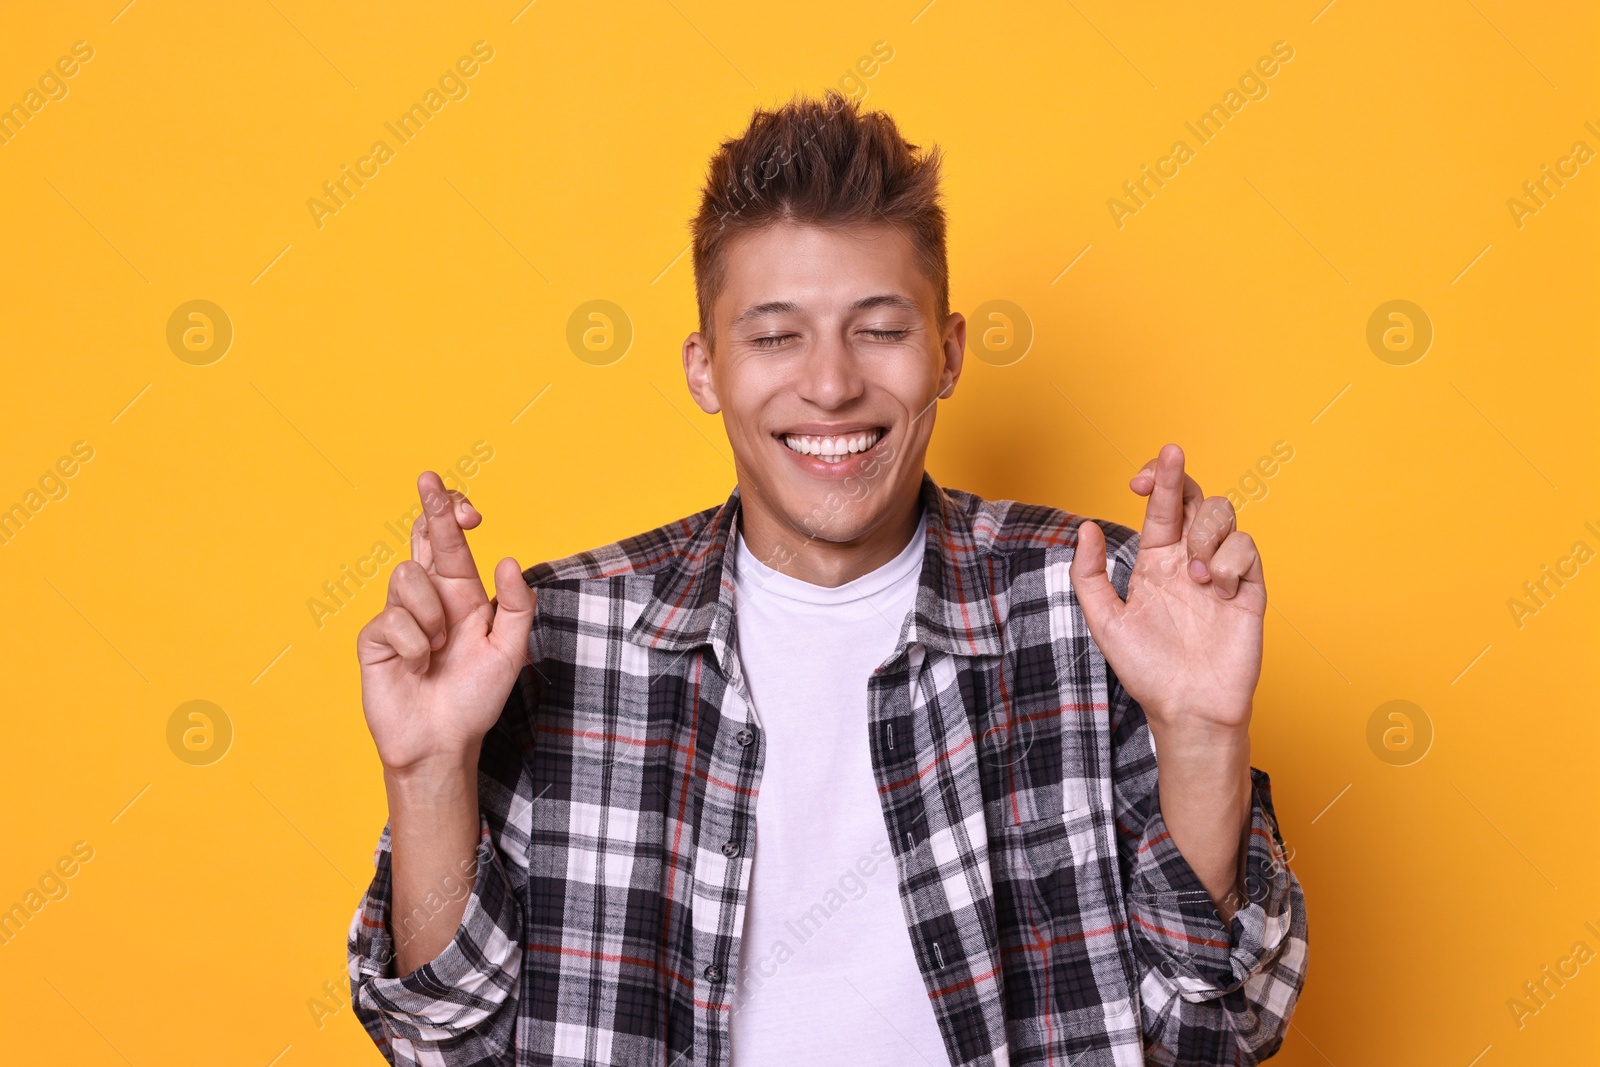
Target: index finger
{"type": "Point", "coordinates": [451, 556]}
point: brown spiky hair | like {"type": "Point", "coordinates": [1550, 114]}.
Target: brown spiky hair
{"type": "Point", "coordinates": [824, 162]}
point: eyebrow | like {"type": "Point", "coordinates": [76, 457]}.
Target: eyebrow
{"type": "Point", "coordinates": [789, 307]}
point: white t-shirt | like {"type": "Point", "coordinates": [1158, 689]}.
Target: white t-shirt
{"type": "Point", "coordinates": [826, 972]}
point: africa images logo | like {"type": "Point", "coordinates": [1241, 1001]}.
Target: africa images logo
{"type": "Point", "coordinates": [1252, 85]}
{"type": "Point", "coordinates": [452, 86]}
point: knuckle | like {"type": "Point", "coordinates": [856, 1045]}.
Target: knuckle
{"type": "Point", "coordinates": [411, 645]}
{"type": "Point", "coordinates": [429, 616]}
{"type": "Point", "coordinates": [1210, 525]}
{"type": "Point", "coordinates": [395, 619]}
{"type": "Point", "coordinates": [421, 599]}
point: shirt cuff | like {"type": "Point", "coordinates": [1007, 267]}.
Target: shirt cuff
{"type": "Point", "coordinates": [1174, 917]}
{"type": "Point", "coordinates": [470, 978]}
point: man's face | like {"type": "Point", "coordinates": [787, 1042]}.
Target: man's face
{"type": "Point", "coordinates": [827, 363]}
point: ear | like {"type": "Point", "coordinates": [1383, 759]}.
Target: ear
{"type": "Point", "coordinates": [954, 351]}
{"type": "Point", "coordinates": [697, 370]}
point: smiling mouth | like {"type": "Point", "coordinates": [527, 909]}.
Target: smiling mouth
{"type": "Point", "coordinates": [834, 449]}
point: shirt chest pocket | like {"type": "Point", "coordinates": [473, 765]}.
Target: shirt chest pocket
{"type": "Point", "coordinates": [1049, 872]}
{"type": "Point", "coordinates": [608, 745]}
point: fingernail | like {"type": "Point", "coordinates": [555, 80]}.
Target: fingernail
{"type": "Point", "coordinates": [1197, 569]}
{"type": "Point", "coordinates": [438, 641]}
{"type": "Point", "coordinates": [1146, 473]}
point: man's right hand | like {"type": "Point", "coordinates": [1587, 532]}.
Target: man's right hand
{"type": "Point", "coordinates": [439, 662]}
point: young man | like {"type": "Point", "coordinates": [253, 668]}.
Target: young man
{"type": "Point", "coordinates": [850, 768]}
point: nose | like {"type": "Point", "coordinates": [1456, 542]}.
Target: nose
{"type": "Point", "coordinates": [831, 376]}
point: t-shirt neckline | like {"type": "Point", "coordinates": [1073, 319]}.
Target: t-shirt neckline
{"type": "Point", "coordinates": [775, 582]}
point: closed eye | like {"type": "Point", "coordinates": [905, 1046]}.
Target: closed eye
{"type": "Point", "coordinates": [886, 335]}
{"type": "Point", "coordinates": [770, 340]}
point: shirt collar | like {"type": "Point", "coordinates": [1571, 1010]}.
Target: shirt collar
{"type": "Point", "coordinates": [692, 601]}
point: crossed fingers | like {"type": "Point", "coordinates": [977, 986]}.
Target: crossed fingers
{"type": "Point", "coordinates": [1178, 510]}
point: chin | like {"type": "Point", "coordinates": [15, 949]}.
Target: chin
{"type": "Point", "coordinates": [831, 515]}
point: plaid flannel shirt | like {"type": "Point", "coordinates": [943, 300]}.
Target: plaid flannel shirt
{"type": "Point", "coordinates": [1052, 917]}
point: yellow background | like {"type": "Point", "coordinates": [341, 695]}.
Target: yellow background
{"type": "Point", "coordinates": [1227, 315]}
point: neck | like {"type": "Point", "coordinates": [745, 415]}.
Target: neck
{"type": "Point", "coordinates": [814, 559]}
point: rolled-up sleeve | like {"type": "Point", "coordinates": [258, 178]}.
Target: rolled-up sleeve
{"type": "Point", "coordinates": [1213, 993]}
{"type": "Point", "coordinates": [460, 1006]}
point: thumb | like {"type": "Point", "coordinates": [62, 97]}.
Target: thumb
{"type": "Point", "coordinates": [1095, 593]}
{"type": "Point", "coordinates": [513, 615]}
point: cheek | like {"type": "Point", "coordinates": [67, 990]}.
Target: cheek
{"type": "Point", "coordinates": [914, 383]}
{"type": "Point", "coordinates": [747, 393]}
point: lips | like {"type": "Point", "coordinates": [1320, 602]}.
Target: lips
{"type": "Point", "coordinates": [835, 447]}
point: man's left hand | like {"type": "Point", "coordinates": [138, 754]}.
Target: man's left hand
{"type": "Point", "coordinates": [1186, 643]}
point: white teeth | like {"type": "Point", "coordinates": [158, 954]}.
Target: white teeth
{"type": "Point", "coordinates": [832, 449]}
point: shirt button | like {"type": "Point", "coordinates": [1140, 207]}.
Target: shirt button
{"type": "Point", "coordinates": [744, 737]}
{"type": "Point", "coordinates": [713, 973]}
{"type": "Point", "coordinates": [730, 849]}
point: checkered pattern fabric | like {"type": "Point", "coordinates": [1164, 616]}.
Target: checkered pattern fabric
{"type": "Point", "coordinates": [1053, 919]}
